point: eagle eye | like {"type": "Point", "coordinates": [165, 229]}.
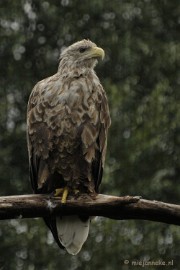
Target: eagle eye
{"type": "Point", "coordinates": [82, 49]}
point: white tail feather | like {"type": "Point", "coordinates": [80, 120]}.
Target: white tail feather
{"type": "Point", "coordinates": [72, 233]}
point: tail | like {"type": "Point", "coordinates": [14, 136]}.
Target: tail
{"type": "Point", "coordinates": [72, 232]}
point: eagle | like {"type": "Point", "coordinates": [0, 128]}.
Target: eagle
{"type": "Point", "coordinates": [67, 124]}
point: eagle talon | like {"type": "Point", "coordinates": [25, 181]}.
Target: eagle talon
{"type": "Point", "coordinates": [62, 191]}
{"type": "Point", "coordinates": [58, 192]}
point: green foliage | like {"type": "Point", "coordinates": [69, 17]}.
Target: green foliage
{"type": "Point", "coordinates": [140, 75]}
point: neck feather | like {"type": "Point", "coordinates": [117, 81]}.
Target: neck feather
{"type": "Point", "coordinates": [75, 69]}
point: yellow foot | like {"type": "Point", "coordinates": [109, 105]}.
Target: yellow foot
{"type": "Point", "coordinates": [58, 192]}
{"type": "Point", "coordinates": [62, 191]}
{"type": "Point", "coordinates": [65, 194]}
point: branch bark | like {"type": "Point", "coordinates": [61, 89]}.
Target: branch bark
{"type": "Point", "coordinates": [128, 207]}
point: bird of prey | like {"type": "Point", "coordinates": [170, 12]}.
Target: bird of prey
{"type": "Point", "coordinates": [67, 124]}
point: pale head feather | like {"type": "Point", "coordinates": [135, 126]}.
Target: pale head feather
{"type": "Point", "coordinates": [77, 58]}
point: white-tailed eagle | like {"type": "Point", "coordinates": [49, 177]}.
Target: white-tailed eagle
{"type": "Point", "coordinates": [67, 124]}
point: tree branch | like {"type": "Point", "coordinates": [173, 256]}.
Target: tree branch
{"type": "Point", "coordinates": [31, 206]}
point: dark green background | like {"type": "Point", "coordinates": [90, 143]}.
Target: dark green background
{"type": "Point", "coordinates": [140, 74]}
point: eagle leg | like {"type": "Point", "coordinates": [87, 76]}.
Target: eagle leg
{"type": "Point", "coordinates": [64, 195]}
{"type": "Point", "coordinates": [64, 191]}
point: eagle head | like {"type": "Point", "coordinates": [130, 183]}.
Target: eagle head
{"type": "Point", "coordinates": [80, 57]}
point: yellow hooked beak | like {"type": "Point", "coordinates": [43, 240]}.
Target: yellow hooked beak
{"type": "Point", "coordinates": [97, 52]}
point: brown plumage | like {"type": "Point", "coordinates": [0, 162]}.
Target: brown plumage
{"type": "Point", "coordinates": [68, 120]}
